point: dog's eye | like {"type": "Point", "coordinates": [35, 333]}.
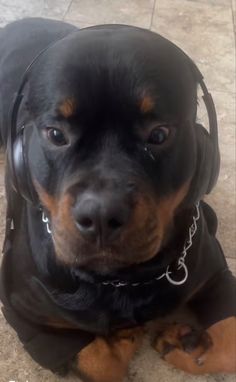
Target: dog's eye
{"type": "Point", "coordinates": [57, 137]}
{"type": "Point", "coordinates": [159, 135]}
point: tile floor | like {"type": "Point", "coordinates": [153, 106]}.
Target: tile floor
{"type": "Point", "coordinates": [205, 29]}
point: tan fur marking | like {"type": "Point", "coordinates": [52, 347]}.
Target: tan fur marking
{"type": "Point", "coordinates": [146, 104]}
{"type": "Point", "coordinates": [107, 359]}
{"type": "Point", "coordinates": [62, 223]}
{"type": "Point", "coordinates": [47, 200]}
{"type": "Point", "coordinates": [65, 232]}
{"type": "Point", "coordinates": [149, 224]}
{"type": "Point", "coordinates": [67, 107]}
{"type": "Point", "coordinates": [167, 207]}
{"type": "Point", "coordinates": [65, 215]}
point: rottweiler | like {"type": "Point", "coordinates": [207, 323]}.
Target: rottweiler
{"type": "Point", "coordinates": [106, 228]}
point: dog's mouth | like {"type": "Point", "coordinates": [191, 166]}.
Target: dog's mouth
{"type": "Point", "coordinates": [130, 249]}
{"type": "Point", "coordinates": [105, 259]}
{"type": "Point", "coordinates": [137, 241]}
{"type": "Point", "coordinates": [110, 260]}
{"type": "Point", "coordinates": [142, 237]}
{"type": "Point", "coordinates": [102, 264]}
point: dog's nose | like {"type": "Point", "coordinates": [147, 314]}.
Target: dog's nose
{"type": "Point", "coordinates": [101, 218]}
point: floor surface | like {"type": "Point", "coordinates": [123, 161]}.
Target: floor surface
{"type": "Point", "coordinates": [205, 29]}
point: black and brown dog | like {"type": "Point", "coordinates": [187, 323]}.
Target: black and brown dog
{"type": "Point", "coordinates": [106, 167]}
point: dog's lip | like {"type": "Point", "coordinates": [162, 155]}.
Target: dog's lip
{"type": "Point", "coordinates": [116, 269]}
{"type": "Point", "coordinates": [112, 260]}
{"type": "Point", "coordinates": [95, 260]}
{"type": "Point", "coordinates": [103, 268]}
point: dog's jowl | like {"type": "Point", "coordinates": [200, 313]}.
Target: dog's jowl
{"type": "Point", "coordinates": [106, 229]}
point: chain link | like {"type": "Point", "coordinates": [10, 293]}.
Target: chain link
{"type": "Point", "coordinates": [46, 221]}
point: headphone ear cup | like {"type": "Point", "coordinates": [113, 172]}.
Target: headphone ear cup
{"type": "Point", "coordinates": [215, 166]}
{"type": "Point", "coordinates": [205, 172]}
{"type": "Point", "coordinates": [14, 159]}
{"type": "Point", "coordinates": [21, 179]}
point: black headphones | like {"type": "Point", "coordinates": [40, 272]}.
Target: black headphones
{"type": "Point", "coordinates": [208, 156]}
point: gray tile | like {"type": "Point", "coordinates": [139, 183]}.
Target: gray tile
{"type": "Point", "coordinates": [205, 32]}
{"type": "Point", "coordinates": [10, 13]}
{"type": "Point", "coordinates": [55, 8]}
{"type": "Point", "coordinates": [2, 163]}
{"type": "Point", "coordinates": [17, 9]}
{"type": "Point", "coordinates": [234, 14]}
{"type": "Point", "coordinates": [212, 2]}
{"type": "Point", "coordinates": [80, 24]}
{"type": "Point", "coordinates": [232, 265]}
{"type": "Point", "coordinates": [2, 171]}
{"type": "Point", "coordinates": [134, 12]}
{"type": "Point", "coordinates": [1, 155]}
{"type": "Point", "coordinates": [1, 176]}
{"type": "Point", "coordinates": [223, 196]}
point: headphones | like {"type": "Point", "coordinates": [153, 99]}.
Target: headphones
{"type": "Point", "coordinates": [208, 156]}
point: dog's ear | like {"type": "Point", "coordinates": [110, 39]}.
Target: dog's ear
{"type": "Point", "coordinates": [207, 167]}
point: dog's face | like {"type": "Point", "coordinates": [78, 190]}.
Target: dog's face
{"type": "Point", "coordinates": [112, 152]}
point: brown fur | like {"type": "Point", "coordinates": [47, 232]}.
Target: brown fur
{"type": "Point", "coordinates": [107, 359]}
{"type": "Point", "coordinates": [67, 108]}
{"type": "Point", "coordinates": [218, 358]}
{"type": "Point", "coordinates": [149, 225]}
{"type": "Point", "coordinates": [146, 104]}
{"type": "Point", "coordinates": [48, 201]}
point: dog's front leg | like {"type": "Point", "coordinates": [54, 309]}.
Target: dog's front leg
{"type": "Point", "coordinates": [106, 359]}
{"type": "Point", "coordinates": [215, 352]}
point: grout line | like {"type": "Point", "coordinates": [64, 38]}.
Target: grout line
{"type": "Point", "coordinates": [222, 91]}
{"type": "Point", "coordinates": [233, 19]}
{"type": "Point", "coordinates": [153, 12]}
{"type": "Point", "coordinates": [67, 10]}
{"type": "Point", "coordinates": [217, 90]}
{"type": "Point", "coordinates": [212, 4]}
{"type": "Point", "coordinates": [230, 257]}
{"type": "Point", "coordinates": [234, 32]}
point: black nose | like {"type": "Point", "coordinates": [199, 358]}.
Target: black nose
{"type": "Point", "coordinates": [101, 218]}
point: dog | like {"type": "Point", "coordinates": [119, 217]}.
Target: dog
{"type": "Point", "coordinates": [106, 227]}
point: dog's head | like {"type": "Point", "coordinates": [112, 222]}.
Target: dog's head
{"type": "Point", "coordinates": [113, 149]}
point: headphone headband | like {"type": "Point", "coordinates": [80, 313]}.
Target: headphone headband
{"type": "Point", "coordinates": [213, 128]}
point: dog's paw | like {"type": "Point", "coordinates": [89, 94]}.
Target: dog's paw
{"type": "Point", "coordinates": [106, 359]}
{"type": "Point", "coordinates": [199, 352]}
{"type": "Point", "coordinates": [182, 339]}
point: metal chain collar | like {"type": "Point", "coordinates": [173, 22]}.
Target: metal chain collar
{"type": "Point", "coordinates": [45, 220]}
{"type": "Point", "coordinates": [167, 274]}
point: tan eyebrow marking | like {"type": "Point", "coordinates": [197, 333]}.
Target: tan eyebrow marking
{"type": "Point", "coordinates": [146, 104]}
{"type": "Point", "coordinates": [67, 107]}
